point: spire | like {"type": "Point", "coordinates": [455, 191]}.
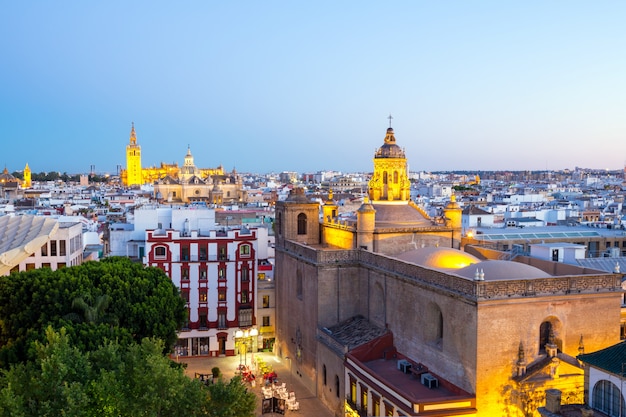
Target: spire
{"type": "Point", "coordinates": [133, 135]}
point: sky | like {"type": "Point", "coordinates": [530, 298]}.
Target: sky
{"type": "Point", "coordinates": [271, 86]}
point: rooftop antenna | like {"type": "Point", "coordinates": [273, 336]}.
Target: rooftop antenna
{"type": "Point", "coordinates": [390, 118]}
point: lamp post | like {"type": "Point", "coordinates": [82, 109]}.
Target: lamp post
{"type": "Point", "coordinates": [243, 340]}
{"type": "Point", "coordinates": [238, 337]}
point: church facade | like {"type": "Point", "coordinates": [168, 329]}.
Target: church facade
{"type": "Point", "coordinates": [501, 330]}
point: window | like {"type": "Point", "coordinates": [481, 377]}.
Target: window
{"type": "Point", "coordinates": [53, 248]}
{"type": "Point", "coordinates": [203, 256]}
{"type": "Point", "coordinates": [244, 250]}
{"type": "Point", "coordinates": [203, 274]}
{"type": "Point", "coordinates": [302, 224]}
{"type": "Point", "coordinates": [244, 296]}
{"type": "Point", "coordinates": [352, 388]}
{"type": "Point", "coordinates": [606, 398]}
{"type": "Point", "coordinates": [221, 294]}
{"type": "Point", "coordinates": [245, 277]}
{"type": "Point", "coordinates": [159, 252]}
{"type": "Point", "coordinates": [221, 319]}
{"type": "Point", "coordinates": [245, 317]}
{"type": "Point", "coordinates": [61, 265]}
{"type": "Point", "coordinates": [266, 301]}
{"type": "Point", "coordinates": [324, 374]}
{"type": "Point", "coordinates": [376, 408]}
{"type": "Point", "coordinates": [544, 335]}
{"type": "Point", "coordinates": [184, 274]}
{"type": "Point", "coordinates": [266, 321]}
{"type": "Point", "coordinates": [221, 272]}
{"type": "Point", "coordinates": [363, 398]}
{"type": "Point", "coordinates": [44, 250]}
{"type": "Point", "coordinates": [385, 179]}
{"type": "Point", "coordinates": [185, 295]}
{"type": "Point", "coordinates": [62, 248]}
{"type": "Point", "coordinates": [222, 254]}
{"type": "Point", "coordinates": [203, 320]}
{"type": "Point", "coordinates": [202, 295]}
{"type": "Point", "coordinates": [30, 267]}
{"type": "Point", "coordinates": [395, 177]}
{"type": "Point", "coordinates": [261, 276]}
{"type": "Point", "coordinates": [184, 253]}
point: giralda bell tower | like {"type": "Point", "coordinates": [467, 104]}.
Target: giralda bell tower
{"type": "Point", "coordinates": [133, 160]}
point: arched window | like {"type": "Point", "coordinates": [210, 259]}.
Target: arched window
{"type": "Point", "coordinates": [544, 335]}
{"type": "Point", "coordinates": [385, 177]}
{"type": "Point", "coordinates": [395, 177]}
{"type": "Point", "coordinates": [302, 224]}
{"type": "Point", "coordinates": [159, 252]}
{"type": "Point", "coordinates": [324, 374]}
{"type": "Point", "coordinates": [606, 398]}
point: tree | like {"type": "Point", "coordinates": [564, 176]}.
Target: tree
{"type": "Point", "coordinates": [121, 300]}
{"type": "Point", "coordinates": [114, 380]}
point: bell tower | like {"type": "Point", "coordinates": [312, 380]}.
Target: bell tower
{"type": "Point", "coordinates": [390, 181]}
{"type": "Point", "coordinates": [27, 177]}
{"type": "Point", "coordinates": [133, 160]}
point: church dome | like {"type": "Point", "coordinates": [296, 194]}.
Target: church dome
{"type": "Point", "coordinates": [389, 148]}
{"type": "Point", "coordinates": [499, 270]}
{"type": "Point", "coordinates": [440, 258]}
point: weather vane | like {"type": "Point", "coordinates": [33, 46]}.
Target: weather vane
{"type": "Point", "coordinates": [389, 119]}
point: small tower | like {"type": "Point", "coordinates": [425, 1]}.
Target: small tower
{"type": "Point", "coordinates": [453, 215]}
{"type": "Point", "coordinates": [133, 161]}
{"type": "Point", "coordinates": [365, 224]}
{"type": "Point", "coordinates": [297, 219]}
{"type": "Point", "coordinates": [329, 209]}
{"type": "Point", "coordinates": [27, 177]}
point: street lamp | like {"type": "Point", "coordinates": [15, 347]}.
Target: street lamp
{"type": "Point", "coordinates": [243, 339]}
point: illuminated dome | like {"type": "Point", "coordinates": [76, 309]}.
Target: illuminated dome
{"type": "Point", "coordinates": [389, 148]}
{"type": "Point", "coordinates": [500, 270]}
{"type": "Point", "coordinates": [440, 258]}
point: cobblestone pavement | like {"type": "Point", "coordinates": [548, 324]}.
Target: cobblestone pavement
{"type": "Point", "coordinates": [309, 404]}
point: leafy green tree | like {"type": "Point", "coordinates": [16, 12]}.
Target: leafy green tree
{"type": "Point", "coordinates": [230, 399]}
{"type": "Point", "coordinates": [135, 380]}
{"type": "Point", "coordinates": [115, 298]}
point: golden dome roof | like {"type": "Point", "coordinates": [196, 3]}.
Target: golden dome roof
{"type": "Point", "coordinates": [389, 148]}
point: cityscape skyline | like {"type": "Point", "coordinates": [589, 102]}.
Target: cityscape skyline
{"type": "Point", "coordinates": [278, 86]}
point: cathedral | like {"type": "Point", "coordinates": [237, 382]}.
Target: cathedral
{"type": "Point", "coordinates": [500, 330]}
{"type": "Point", "coordinates": [182, 185]}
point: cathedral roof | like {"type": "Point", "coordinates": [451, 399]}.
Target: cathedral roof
{"type": "Point", "coordinates": [389, 148]}
{"type": "Point", "coordinates": [400, 214]}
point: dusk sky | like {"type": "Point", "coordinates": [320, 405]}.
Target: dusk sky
{"type": "Point", "coordinates": [265, 86]}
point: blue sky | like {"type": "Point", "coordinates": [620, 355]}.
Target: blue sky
{"type": "Point", "coordinates": [265, 86]}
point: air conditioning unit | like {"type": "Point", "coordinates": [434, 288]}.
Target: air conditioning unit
{"type": "Point", "coordinates": [430, 381]}
{"type": "Point", "coordinates": [404, 366]}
